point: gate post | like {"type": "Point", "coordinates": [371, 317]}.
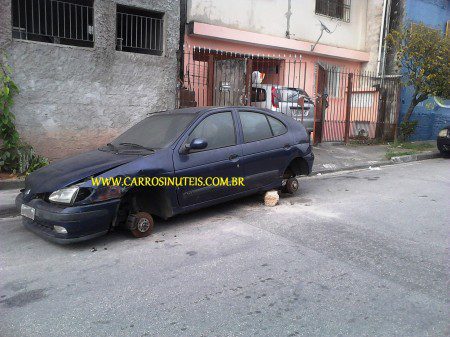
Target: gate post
{"type": "Point", "coordinates": [210, 81]}
{"type": "Point", "coordinates": [348, 108]}
{"type": "Point", "coordinates": [381, 118]}
{"type": "Point", "coordinates": [248, 81]}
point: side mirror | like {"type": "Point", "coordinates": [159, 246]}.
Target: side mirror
{"type": "Point", "coordinates": [196, 144]}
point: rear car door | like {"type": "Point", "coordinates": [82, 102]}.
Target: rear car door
{"type": "Point", "coordinates": [265, 148]}
{"type": "Point", "coordinates": [221, 158]}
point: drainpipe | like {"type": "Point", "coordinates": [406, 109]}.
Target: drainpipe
{"type": "Point", "coordinates": [380, 45]}
{"type": "Point", "coordinates": [183, 20]}
{"type": "Point", "coordinates": [288, 20]}
{"type": "Point", "coordinates": [386, 31]}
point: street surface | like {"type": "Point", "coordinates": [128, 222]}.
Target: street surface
{"type": "Point", "coordinates": [359, 253]}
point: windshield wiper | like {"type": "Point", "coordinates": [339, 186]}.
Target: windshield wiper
{"type": "Point", "coordinates": [138, 146]}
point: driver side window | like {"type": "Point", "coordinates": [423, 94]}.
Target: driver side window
{"type": "Point", "coordinates": [217, 130]}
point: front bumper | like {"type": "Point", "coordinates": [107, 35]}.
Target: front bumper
{"type": "Point", "coordinates": [81, 222]}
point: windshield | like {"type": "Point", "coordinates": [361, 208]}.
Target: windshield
{"type": "Point", "coordinates": [154, 132]}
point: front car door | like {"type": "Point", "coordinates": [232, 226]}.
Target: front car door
{"type": "Point", "coordinates": [265, 148]}
{"type": "Point", "coordinates": [221, 157]}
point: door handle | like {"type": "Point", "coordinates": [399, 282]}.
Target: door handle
{"type": "Point", "coordinates": [233, 156]}
{"type": "Point", "coordinates": [287, 146]}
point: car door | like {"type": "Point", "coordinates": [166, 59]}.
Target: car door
{"type": "Point", "coordinates": [221, 157]}
{"type": "Point", "coordinates": [265, 148]}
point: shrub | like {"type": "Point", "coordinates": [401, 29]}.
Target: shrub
{"type": "Point", "coordinates": [15, 156]}
{"type": "Point", "coordinates": [407, 129]}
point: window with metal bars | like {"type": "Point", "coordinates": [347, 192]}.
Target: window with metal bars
{"type": "Point", "coordinates": [69, 22]}
{"type": "Point", "coordinates": [339, 9]}
{"type": "Point", "coordinates": [139, 31]}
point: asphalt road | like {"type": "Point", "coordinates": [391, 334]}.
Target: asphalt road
{"type": "Point", "coordinates": [358, 253]}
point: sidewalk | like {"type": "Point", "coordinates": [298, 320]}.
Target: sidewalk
{"type": "Point", "coordinates": [332, 157]}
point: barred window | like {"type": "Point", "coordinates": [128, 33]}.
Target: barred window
{"type": "Point", "coordinates": [339, 9]}
{"type": "Point", "coordinates": [69, 22]}
{"type": "Point", "coordinates": [139, 31]}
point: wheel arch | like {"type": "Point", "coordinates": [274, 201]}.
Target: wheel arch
{"type": "Point", "coordinates": [298, 166]}
{"type": "Point", "coordinates": [155, 201]}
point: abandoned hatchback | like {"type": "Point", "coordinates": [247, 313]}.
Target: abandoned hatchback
{"type": "Point", "coordinates": [266, 149]}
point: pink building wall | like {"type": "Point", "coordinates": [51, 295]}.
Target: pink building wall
{"type": "Point", "coordinates": [231, 41]}
{"type": "Point", "coordinates": [192, 41]}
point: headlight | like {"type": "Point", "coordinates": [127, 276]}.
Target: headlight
{"type": "Point", "coordinates": [65, 195]}
{"type": "Point", "coordinates": [443, 133]}
{"type": "Point", "coordinates": [104, 193]}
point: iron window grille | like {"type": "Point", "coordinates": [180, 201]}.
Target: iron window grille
{"type": "Point", "coordinates": [139, 31]}
{"type": "Point", "coordinates": [338, 9]}
{"type": "Point", "coordinates": [69, 22]}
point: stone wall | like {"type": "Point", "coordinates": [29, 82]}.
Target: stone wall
{"type": "Point", "coordinates": [73, 99]}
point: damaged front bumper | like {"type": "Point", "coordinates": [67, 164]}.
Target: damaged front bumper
{"type": "Point", "coordinates": [81, 222]}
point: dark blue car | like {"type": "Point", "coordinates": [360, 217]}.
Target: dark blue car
{"type": "Point", "coordinates": [266, 148]}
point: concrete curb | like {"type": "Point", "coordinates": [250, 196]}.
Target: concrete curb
{"type": "Point", "coordinates": [393, 161]}
{"type": "Point", "coordinates": [12, 184]}
{"type": "Point", "coordinates": [415, 157]}
{"type": "Point", "coordinates": [8, 212]}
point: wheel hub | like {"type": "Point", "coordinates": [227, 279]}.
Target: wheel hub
{"type": "Point", "coordinates": [143, 225]}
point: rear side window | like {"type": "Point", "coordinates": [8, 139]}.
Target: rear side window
{"type": "Point", "coordinates": [217, 130]}
{"type": "Point", "coordinates": [278, 128]}
{"type": "Point", "coordinates": [255, 126]}
{"type": "Point", "coordinates": [258, 95]}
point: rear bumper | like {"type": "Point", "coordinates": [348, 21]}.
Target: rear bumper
{"type": "Point", "coordinates": [310, 160]}
{"type": "Point", "coordinates": [81, 222]}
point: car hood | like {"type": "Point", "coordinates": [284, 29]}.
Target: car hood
{"type": "Point", "coordinates": [73, 169]}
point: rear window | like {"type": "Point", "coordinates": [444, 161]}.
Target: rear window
{"type": "Point", "coordinates": [290, 95]}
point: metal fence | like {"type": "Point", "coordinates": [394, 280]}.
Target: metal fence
{"type": "Point", "coordinates": [355, 105]}
{"type": "Point", "coordinates": [54, 21]}
{"type": "Point", "coordinates": [345, 104]}
{"type": "Point", "coordinates": [222, 78]}
{"type": "Point", "coordinates": [139, 33]}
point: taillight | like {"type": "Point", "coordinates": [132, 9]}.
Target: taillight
{"type": "Point", "coordinates": [274, 98]}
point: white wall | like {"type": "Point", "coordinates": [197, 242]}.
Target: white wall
{"type": "Point", "coordinates": [269, 17]}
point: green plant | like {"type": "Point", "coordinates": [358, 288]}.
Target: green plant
{"type": "Point", "coordinates": [21, 159]}
{"type": "Point", "coordinates": [418, 146]}
{"type": "Point", "coordinates": [423, 54]}
{"type": "Point", "coordinates": [407, 129]}
{"type": "Point", "coordinates": [15, 156]}
{"type": "Point", "coordinates": [8, 89]}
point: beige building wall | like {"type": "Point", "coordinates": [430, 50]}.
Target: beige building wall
{"type": "Point", "coordinates": [277, 17]}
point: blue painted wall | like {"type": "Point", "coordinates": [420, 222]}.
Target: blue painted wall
{"type": "Point", "coordinates": [431, 116]}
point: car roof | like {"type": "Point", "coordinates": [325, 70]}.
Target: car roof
{"type": "Point", "coordinates": [278, 87]}
{"type": "Point", "coordinates": [193, 110]}
{"type": "Point", "coordinates": [206, 109]}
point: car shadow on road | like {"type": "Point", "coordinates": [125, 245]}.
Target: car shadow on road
{"type": "Point", "coordinates": [171, 224]}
